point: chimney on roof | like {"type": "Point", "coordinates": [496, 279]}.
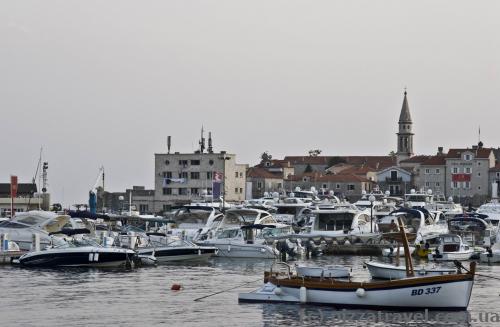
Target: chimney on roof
{"type": "Point", "coordinates": [480, 145]}
{"type": "Point", "coordinates": [440, 151]}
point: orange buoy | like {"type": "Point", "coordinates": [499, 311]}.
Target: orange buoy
{"type": "Point", "coordinates": [176, 287]}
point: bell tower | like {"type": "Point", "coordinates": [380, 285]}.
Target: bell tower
{"type": "Point", "coordinates": [405, 134]}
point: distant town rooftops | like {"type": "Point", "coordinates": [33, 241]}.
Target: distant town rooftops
{"type": "Point", "coordinates": [416, 159]}
{"type": "Point", "coordinates": [258, 172]}
{"type": "Point", "coordinates": [317, 177]}
{"type": "Point", "coordinates": [479, 152]}
{"type": "Point", "coordinates": [438, 160]}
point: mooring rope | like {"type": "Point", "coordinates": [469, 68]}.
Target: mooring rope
{"type": "Point", "coordinates": [229, 289]}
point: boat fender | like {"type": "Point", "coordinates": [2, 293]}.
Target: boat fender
{"type": "Point", "coordinates": [360, 292]}
{"type": "Point", "coordinates": [263, 250]}
{"type": "Point", "coordinates": [176, 287]}
{"type": "Point", "coordinates": [229, 248]}
{"type": "Point", "coordinates": [278, 291]}
{"type": "Point", "coordinates": [303, 294]}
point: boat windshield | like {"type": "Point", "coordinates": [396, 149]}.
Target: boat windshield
{"type": "Point", "coordinates": [272, 232]}
{"type": "Point", "coordinates": [334, 221]}
{"type": "Point", "coordinates": [31, 220]}
{"type": "Point", "coordinates": [193, 217]}
{"type": "Point", "coordinates": [245, 216]}
{"type": "Point", "coordinates": [11, 224]}
{"type": "Point", "coordinates": [228, 233]}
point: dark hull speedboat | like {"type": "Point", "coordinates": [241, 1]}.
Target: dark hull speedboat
{"type": "Point", "coordinates": [85, 256]}
{"type": "Point", "coordinates": [178, 253]}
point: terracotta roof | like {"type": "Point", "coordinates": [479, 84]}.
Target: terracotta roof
{"type": "Point", "coordinates": [416, 159]}
{"type": "Point", "coordinates": [438, 160]}
{"type": "Point", "coordinates": [344, 178]}
{"type": "Point", "coordinates": [262, 173]}
{"type": "Point", "coordinates": [363, 170]}
{"type": "Point", "coordinates": [482, 153]}
{"type": "Point", "coordinates": [304, 160]}
{"type": "Point", "coordinates": [275, 163]}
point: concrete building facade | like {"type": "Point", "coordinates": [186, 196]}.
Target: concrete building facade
{"type": "Point", "coordinates": [184, 177]}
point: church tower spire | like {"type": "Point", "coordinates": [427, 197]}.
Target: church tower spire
{"type": "Point", "coordinates": [405, 134]}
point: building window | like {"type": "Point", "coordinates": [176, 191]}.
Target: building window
{"type": "Point", "coordinates": [438, 171]}
{"type": "Point", "coordinates": [468, 170]}
{"type": "Point", "coordinates": [184, 174]}
{"type": "Point", "coordinates": [304, 179]}
{"type": "Point", "coordinates": [479, 187]}
{"type": "Point", "coordinates": [166, 207]}
{"type": "Point", "coordinates": [479, 163]}
{"type": "Point", "coordinates": [467, 157]}
{"type": "Point", "coordinates": [195, 175]}
{"type": "Point", "coordinates": [438, 184]}
{"type": "Point", "coordinates": [478, 174]}
{"type": "Point", "coordinates": [209, 190]}
{"type": "Point", "coordinates": [209, 175]}
{"type": "Point", "coordinates": [167, 162]}
{"type": "Point", "coordinates": [143, 208]}
{"type": "Point", "coordinates": [241, 190]}
{"type": "Point", "coordinates": [498, 175]}
{"type": "Point", "coordinates": [167, 191]}
{"type": "Point", "coordinates": [350, 187]}
{"type": "Point", "coordinates": [235, 190]}
{"type": "Point", "coordinates": [195, 162]}
{"type": "Point", "coordinates": [195, 190]}
{"type": "Point", "coordinates": [236, 174]}
{"type": "Point", "coordinates": [454, 185]}
{"type": "Point", "coordinates": [394, 175]}
{"type": "Point", "coordinates": [183, 163]}
{"type": "Point", "coordinates": [337, 186]}
{"type": "Point", "coordinates": [167, 174]}
{"type": "Point", "coordinates": [467, 185]}
{"type": "Point", "coordinates": [324, 186]}
{"type": "Point", "coordinates": [427, 171]}
{"type": "Point", "coordinates": [268, 164]}
{"type": "Point", "coordinates": [427, 184]}
{"type": "Point", "coordinates": [455, 170]}
{"type": "Point", "coordinates": [241, 174]}
{"type": "Point", "coordinates": [259, 184]}
{"type": "Point", "coordinates": [183, 191]}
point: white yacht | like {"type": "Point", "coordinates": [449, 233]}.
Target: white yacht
{"type": "Point", "coordinates": [290, 210]}
{"type": "Point", "coordinates": [418, 222]}
{"type": "Point", "coordinates": [492, 208]}
{"type": "Point", "coordinates": [192, 220]}
{"type": "Point", "coordinates": [24, 225]}
{"type": "Point", "coordinates": [341, 222]}
{"type": "Point", "coordinates": [241, 234]}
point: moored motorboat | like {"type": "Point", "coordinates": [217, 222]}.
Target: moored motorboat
{"type": "Point", "coordinates": [87, 254]}
{"type": "Point", "coordinates": [451, 248]}
{"type": "Point", "coordinates": [387, 271]}
{"type": "Point", "coordinates": [180, 250]}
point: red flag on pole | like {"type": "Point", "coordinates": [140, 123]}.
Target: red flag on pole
{"type": "Point", "coordinates": [13, 186]}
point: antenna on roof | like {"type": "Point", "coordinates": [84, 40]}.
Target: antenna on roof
{"type": "Point", "coordinates": [202, 141]}
{"type": "Point", "coordinates": [210, 148]}
{"type": "Point", "coordinates": [169, 143]}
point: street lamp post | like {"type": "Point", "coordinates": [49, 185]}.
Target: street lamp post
{"type": "Point", "coordinates": [371, 198]}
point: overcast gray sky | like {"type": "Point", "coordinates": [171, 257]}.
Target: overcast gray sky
{"type": "Point", "coordinates": [104, 82]}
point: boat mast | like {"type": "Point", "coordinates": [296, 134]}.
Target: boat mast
{"type": "Point", "coordinates": [408, 259]}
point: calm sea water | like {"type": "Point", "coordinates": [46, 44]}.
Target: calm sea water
{"type": "Point", "coordinates": [142, 297]}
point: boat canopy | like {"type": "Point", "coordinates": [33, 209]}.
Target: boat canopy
{"type": "Point", "coordinates": [469, 224]}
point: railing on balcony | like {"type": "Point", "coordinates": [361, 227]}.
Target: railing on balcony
{"type": "Point", "coordinates": [394, 180]}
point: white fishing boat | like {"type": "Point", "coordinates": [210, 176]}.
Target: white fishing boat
{"type": "Point", "coordinates": [445, 292]}
{"type": "Point", "coordinates": [326, 272]}
{"type": "Point", "coordinates": [387, 271]}
{"type": "Point", "coordinates": [450, 248]}
{"type": "Point", "coordinates": [176, 250]}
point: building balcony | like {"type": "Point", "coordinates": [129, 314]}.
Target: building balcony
{"type": "Point", "coordinates": [393, 180]}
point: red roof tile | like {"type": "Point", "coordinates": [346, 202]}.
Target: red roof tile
{"type": "Point", "coordinates": [482, 153]}
{"type": "Point", "coordinates": [258, 172]}
{"type": "Point", "coordinates": [439, 160]}
{"type": "Point", "coordinates": [344, 178]}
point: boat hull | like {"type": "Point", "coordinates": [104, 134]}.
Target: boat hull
{"type": "Point", "coordinates": [179, 253]}
{"type": "Point", "coordinates": [420, 295]}
{"type": "Point", "coordinates": [246, 251]}
{"type": "Point", "coordinates": [490, 258]}
{"type": "Point", "coordinates": [452, 256]}
{"type": "Point", "coordinates": [79, 257]}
